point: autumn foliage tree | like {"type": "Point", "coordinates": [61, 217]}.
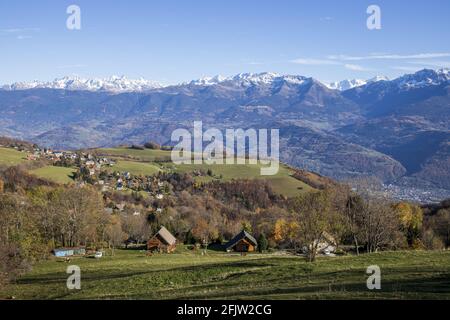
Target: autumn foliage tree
{"type": "Point", "coordinates": [312, 212]}
{"type": "Point", "coordinates": [69, 216]}
{"type": "Point", "coordinates": [411, 218]}
{"type": "Point", "coordinates": [441, 224]}
{"type": "Point", "coordinates": [114, 233]}
{"type": "Point", "coordinates": [20, 242]}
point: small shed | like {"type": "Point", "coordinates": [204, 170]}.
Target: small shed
{"type": "Point", "coordinates": [163, 241]}
{"type": "Point", "coordinates": [69, 252]}
{"type": "Point", "coordinates": [327, 244]}
{"type": "Point", "coordinates": [243, 242]}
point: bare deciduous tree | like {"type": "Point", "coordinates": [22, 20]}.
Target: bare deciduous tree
{"type": "Point", "coordinates": [380, 227]}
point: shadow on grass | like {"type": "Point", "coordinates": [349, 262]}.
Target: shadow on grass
{"type": "Point", "coordinates": [433, 286]}
{"type": "Point", "coordinates": [202, 269]}
{"type": "Point", "coordinates": [256, 278]}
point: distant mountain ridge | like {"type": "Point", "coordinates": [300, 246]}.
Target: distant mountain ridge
{"type": "Point", "coordinates": [113, 84]}
{"type": "Point", "coordinates": [396, 130]}
{"type": "Point", "coordinates": [116, 84]}
{"type": "Point", "coordinates": [354, 83]}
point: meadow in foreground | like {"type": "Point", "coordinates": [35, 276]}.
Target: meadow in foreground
{"type": "Point", "coordinates": [131, 274]}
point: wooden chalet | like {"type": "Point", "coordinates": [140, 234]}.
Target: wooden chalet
{"type": "Point", "coordinates": [161, 242]}
{"type": "Point", "coordinates": [243, 242]}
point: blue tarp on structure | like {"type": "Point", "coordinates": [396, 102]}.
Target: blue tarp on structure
{"type": "Point", "coordinates": [63, 252]}
{"type": "Point", "coordinates": [67, 252]}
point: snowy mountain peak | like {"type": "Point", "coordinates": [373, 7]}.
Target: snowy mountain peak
{"type": "Point", "coordinates": [115, 84]}
{"type": "Point", "coordinates": [354, 83]}
{"type": "Point", "coordinates": [377, 79]}
{"type": "Point", "coordinates": [267, 78]}
{"type": "Point", "coordinates": [423, 78]}
{"type": "Point", "coordinates": [256, 78]}
{"type": "Point", "coordinates": [208, 81]}
{"type": "Point", "coordinates": [346, 84]}
{"type": "Point", "coordinates": [444, 71]}
{"type": "Point", "coordinates": [120, 84]}
{"type": "Point", "coordinates": [247, 79]}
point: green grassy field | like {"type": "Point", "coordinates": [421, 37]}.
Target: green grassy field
{"type": "Point", "coordinates": [282, 182]}
{"type": "Point", "coordinates": [56, 174]}
{"type": "Point", "coordinates": [11, 157]}
{"type": "Point", "coordinates": [143, 162]}
{"type": "Point", "coordinates": [188, 275]}
{"type": "Point", "coordinates": [137, 168]}
{"type": "Point", "coordinates": [142, 155]}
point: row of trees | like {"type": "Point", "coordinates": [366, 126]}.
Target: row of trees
{"type": "Point", "coordinates": [36, 217]}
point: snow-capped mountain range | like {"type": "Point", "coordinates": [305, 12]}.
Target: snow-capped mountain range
{"type": "Point", "coordinates": [396, 130]}
{"type": "Point", "coordinates": [346, 84]}
{"type": "Point", "coordinates": [122, 84]}
{"type": "Point", "coordinates": [354, 83]}
{"type": "Point", "coordinates": [423, 78]}
{"type": "Point", "coordinates": [246, 79]}
{"type": "Point", "coordinates": [113, 84]}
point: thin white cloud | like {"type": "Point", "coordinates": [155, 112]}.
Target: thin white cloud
{"type": "Point", "coordinates": [328, 62]}
{"type": "Point", "coordinates": [390, 56]}
{"type": "Point", "coordinates": [435, 64]}
{"type": "Point", "coordinates": [408, 69]}
{"type": "Point", "coordinates": [314, 62]}
{"type": "Point", "coordinates": [72, 66]}
{"type": "Point", "coordinates": [19, 33]}
{"type": "Point", "coordinates": [355, 67]}
{"type": "Point", "coordinates": [23, 37]}
{"type": "Point", "coordinates": [19, 30]}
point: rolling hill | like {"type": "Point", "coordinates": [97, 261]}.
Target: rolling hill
{"type": "Point", "coordinates": [149, 162]}
{"type": "Point", "coordinates": [11, 157]}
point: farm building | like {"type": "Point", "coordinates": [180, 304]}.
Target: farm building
{"type": "Point", "coordinates": [69, 252]}
{"type": "Point", "coordinates": [326, 245]}
{"type": "Point", "coordinates": [163, 241]}
{"type": "Point", "coordinates": [243, 242]}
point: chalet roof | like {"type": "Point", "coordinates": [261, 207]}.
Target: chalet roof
{"type": "Point", "coordinates": [242, 235]}
{"type": "Point", "coordinates": [165, 235]}
{"type": "Point", "coordinates": [329, 238]}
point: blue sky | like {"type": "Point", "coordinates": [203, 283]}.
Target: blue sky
{"type": "Point", "coordinates": [178, 40]}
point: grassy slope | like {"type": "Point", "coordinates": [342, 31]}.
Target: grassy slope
{"type": "Point", "coordinates": [137, 168]}
{"type": "Point", "coordinates": [133, 275]}
{"type": "Point", "coordinates": [11, 157]}
{"type": "Point", "coordinates": [143, 155]}
{"type": "Point", "coordinates": [56, 174]}
{"type": "Point", "coordinates": [282, 182]}
{"type": "Point", "coordinates": [142, 162]}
